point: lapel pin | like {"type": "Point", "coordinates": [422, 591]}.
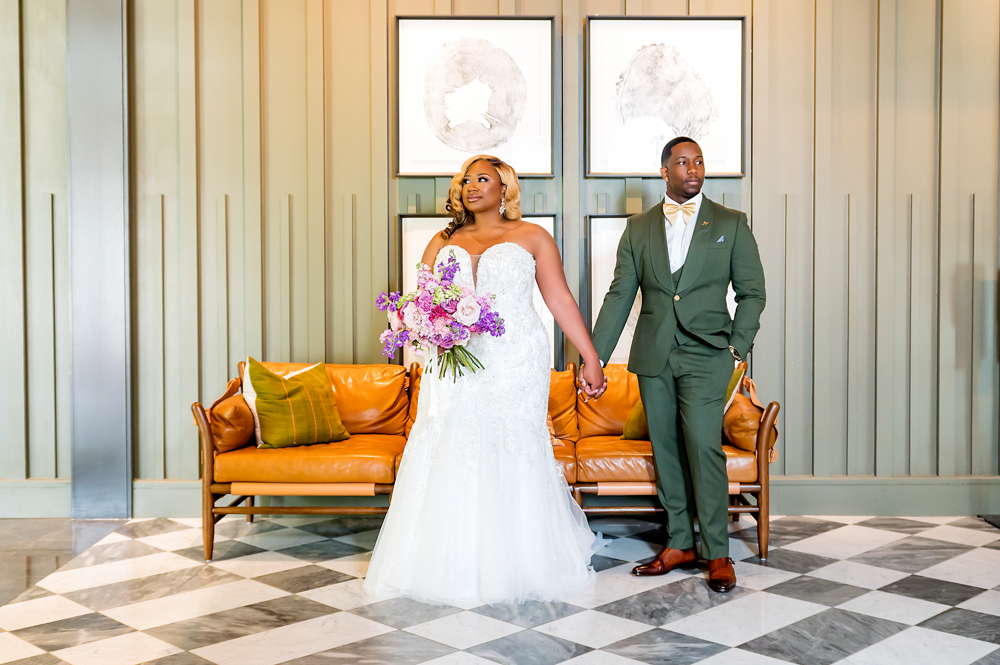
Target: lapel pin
{"type": "Point", "coordinates": [704, 223]}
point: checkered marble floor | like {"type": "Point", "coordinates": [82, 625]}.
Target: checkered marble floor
{"type": "Point", "coordinates": [851, 590]}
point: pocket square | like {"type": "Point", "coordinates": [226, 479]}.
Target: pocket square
{"type": "Point", "coordinates": [721, 238]}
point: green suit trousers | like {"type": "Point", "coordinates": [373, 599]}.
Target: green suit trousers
{"type": "Point", "coordinates": [684, 407]}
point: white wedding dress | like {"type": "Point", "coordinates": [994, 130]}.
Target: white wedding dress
{"type": "Point", "coordinates": [480, 511]}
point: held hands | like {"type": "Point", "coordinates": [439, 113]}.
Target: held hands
{"type": "Point", "coordinates": [591, 381]}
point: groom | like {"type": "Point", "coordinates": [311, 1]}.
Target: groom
{"type": "Point", "coordinates": [683, 253]}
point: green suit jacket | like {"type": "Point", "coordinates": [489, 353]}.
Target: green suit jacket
{"type": "Point", "coordinates": [722, 250]}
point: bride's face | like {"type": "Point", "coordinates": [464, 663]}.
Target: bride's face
{"type": "Point", "coordinates": [481, 188]}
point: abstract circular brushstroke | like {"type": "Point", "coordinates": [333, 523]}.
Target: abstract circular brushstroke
{"type": "Point", "coordinates": [659, 83]}
{"type": "Point", "coordinates": [474, 95]}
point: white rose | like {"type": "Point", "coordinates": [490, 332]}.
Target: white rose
{"type": "Point", "coordinates": [467, 311]}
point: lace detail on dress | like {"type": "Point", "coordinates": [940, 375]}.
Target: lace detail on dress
{"type": "Point", "coordinates": [480, 508]}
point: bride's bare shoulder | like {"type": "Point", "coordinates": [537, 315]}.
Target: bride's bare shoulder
{"type": "Point", "coordinates": [433, 247]}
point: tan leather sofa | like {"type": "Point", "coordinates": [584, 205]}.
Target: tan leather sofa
{"type": "Point", "coordinates": [378, 403]}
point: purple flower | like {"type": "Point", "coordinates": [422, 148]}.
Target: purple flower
{"type": "Point", "coordinates": [448, 269]}
{"type": "Point", "coordinates": [426, 301]}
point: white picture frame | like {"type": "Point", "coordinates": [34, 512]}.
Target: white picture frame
{"type": "Point", "coordinates": [650, 80]}
{"type": "Point", "coordinates": [416, 231]}
{"type": "Point", "coordinates": [467, 86]}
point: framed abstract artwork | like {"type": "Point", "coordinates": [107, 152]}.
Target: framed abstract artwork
{"type": "Point", "coordinates": [416, 231]}
{"type": "Point", "coordinates": [466, 86]}
{"type": "Point", "coordinates": [650, 80]}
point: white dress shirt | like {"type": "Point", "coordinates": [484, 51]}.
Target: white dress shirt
{"type": "Point", "coordinates": [679, 234]}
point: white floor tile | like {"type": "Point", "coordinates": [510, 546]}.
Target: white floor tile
{"type": "Point", "coordinates": [112, 538]}
{"type": "Point", "coordinates": [262, 563]}
{"type": "Point", "coordinates": [617, 583]}
{"type": "Point", "coordinates": [298, 521]}
{"type": "Point", "coordinates": [14, 648]}
{"type": "Point", "coordinates": [459, 658]}
{"type": "Point", "coordinates": [919, 646]}
{"type": "Point", "coordinates": [280, 539]}
{"type": "Point", "coordinates": [364, 539]}
{"type": "Point", "coordinates": [39, 611]}
{"type": "Point", "coordinates": [601, 658]}
{"type": "Point", "coordinates": [935, 519]}
{"type": "Point", "coordinates": [116, 571]}
{"type": "Point", "coordinates": [894, 607]}
{"type": "Point", "coordinates": [987, 603]}
{"type": "Point", "coordinates": [858, 574]}
{"type": "Point", "coordinates": [193, 522]}
{"type": "Point", "coordinates": [178, 540]}
{"type": "Point", "coordinates": [738, 657]}
{"type": "Point", "coordinates": [978, 568]}
{"type": "Point", "coordinates": [745, 618]}
{"type": "Point", "coordinates": [192, 604]}
{"type": "Point", "coordinates": [957, 534]}
{"type": "Point", "coordinates": [464, 630]}
{"type": "Point", "coordinates": [752, 576]}
{"type": "Point", "coordinates": [128, 649]}
{"type": "Point", "coordinates": [467, 604]}
{"type": "Point", "coordinates": [355, 565]}
{"type": "Point", "coordinates": [593, 629]}
{"type": "Point", "coordinates": [627, 549]}
{"type": "Point", "coordinates": [344, 595]}
{"type": "Point", "coordinates": [841, 519]}
{"type": "Point", "coordinates": [293, 641]}
{"type": "Point", "coordinates": [845, 542]}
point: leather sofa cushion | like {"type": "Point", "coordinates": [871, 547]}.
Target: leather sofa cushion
{"type": "Point", "coordinates": [564, 450]}
{"type": "Point", "coordinates": [371, 399]}
{"type": "Point", "coordinates": [364, 458]}
{"type": "Point", "coordinates": [606, 416]}
{"type": "Point", "coordinates": [562, 405]}
{"type": "Point", "coordinates": [232, 423]}
{"type": "Point", "coordinates": [611, 459]}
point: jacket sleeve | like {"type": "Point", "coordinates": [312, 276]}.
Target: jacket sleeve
{"type": "Point", "coordinates": [748, 283]}
{"type": "Point", "coordinates": [618, 301]}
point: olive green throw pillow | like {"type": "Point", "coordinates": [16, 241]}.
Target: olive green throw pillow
{"type": "Point", "coordinates": [298, 409]}
{"type": "Point", "coordinates": [637, 428]}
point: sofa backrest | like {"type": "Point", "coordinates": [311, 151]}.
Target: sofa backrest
{"type": "Point", "coordinates": [371, 399]}
{"type": "Point", "coordinates": [562, 404]}
{"type": "Point", "coordinates": [606, 416]}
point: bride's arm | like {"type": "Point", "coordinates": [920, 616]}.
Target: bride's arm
{"type": "Point", "coordinates": [555, 292]}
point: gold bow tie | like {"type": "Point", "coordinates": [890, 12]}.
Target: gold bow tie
{"type": "Point", "coordinates": [671, 211]}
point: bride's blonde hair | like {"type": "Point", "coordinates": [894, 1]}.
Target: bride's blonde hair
{"type": "Point", "coordinates": [511, 199]}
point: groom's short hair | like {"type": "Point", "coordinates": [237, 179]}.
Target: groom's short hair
{"type": "Point", "coordinates": [665, 155]}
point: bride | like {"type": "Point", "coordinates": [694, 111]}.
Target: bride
{"type": "Point", "coordinates": [480, 510]}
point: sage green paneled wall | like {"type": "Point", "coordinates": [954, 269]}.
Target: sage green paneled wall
{"type": "Point", "coordinates": [265, 212]}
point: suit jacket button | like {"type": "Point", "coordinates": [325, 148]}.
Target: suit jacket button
{"type": "Point", "coordinates": [677, 297]}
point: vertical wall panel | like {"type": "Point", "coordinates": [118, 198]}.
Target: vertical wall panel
{"type": "Point", "coordinates": [907, 267]}
{"type": "Point", "coordinates": [968, 236]}
{"type": "Point", "coordinates": [46, 239]}
{"type": "Point", "coordinates": [253, 251]}
{"type": "Point", "coordinates": [14, 459]}
{"type": "Point", "coordinates": [224, 283]}
{"type": "Point", "coordinates": [783, 223]}
{"type": "Point", "coordinates": [968, 175]}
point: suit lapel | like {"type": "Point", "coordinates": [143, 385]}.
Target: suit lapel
{"type": "Point", "coordinates": [699, 244]}
{"type": "Point", "coordinates": [659, 253]}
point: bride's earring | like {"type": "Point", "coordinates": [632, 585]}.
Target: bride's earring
{"type": "Point", "coordinates": [502, 206]}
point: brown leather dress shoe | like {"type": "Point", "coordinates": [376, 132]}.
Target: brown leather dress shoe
{"type": "Point", "coordinates": [667, 560]}
{"type": "Point", "coordinates": [721, 575]}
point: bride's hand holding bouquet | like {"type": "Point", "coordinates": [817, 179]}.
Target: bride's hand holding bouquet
{"type": "Point", "coordinates": [439, 314]}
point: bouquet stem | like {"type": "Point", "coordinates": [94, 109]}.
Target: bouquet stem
{"type": "Point", "coordinates": [456, 360]}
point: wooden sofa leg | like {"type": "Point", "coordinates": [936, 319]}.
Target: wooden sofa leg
{"type": "Point", "coordinates": [208, 524]}
{"type": "Point", "coordinates": [249, 504]}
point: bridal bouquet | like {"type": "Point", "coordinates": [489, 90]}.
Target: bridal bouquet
{"type": "Point", "coordinates": [441, 314]}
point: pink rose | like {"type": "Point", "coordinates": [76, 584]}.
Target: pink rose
{"type": "Point", "coordinates": [412, 316]}
{"type": "Point", "coordinates": [468, 310]}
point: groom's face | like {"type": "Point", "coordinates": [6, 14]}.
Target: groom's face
{"type": "Point", "coordinates": [684, 171]}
